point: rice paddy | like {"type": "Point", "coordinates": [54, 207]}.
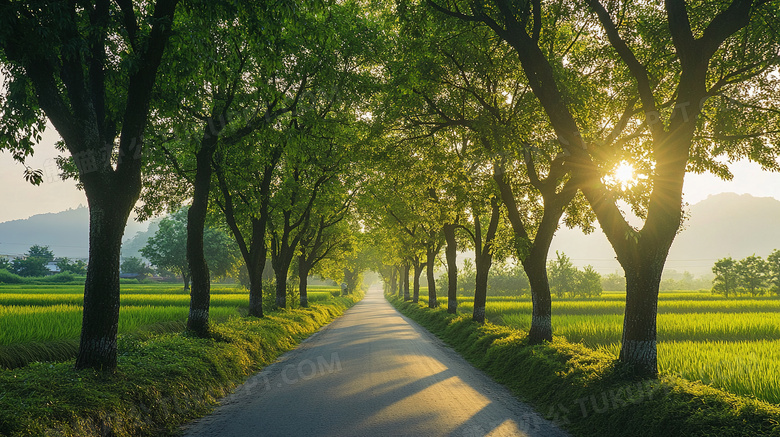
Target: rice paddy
{"type": "Point", "coordinates": [732, 344]}
{"type": "Point", "coordinates": [51, 314]}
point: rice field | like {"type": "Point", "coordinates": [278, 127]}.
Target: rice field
{"type": "Point", "coordinates": [42, 314]}
{"type": "Point", "coordinates": [732, 344]}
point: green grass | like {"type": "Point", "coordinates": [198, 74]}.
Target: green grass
{"type": "Point", "coordinates": [732, 344]}
{"type": "Point", "coordinates": [589, 393]}
{"type": "Point", "coordinates": [162, 380]}
{"type": "Point", "coordinates": [43, 322]}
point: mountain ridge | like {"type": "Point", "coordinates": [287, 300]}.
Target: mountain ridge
{"type": "Point", "coordinates": [65, 232]}
{"type": "Point", "coordinates": [722, 225]}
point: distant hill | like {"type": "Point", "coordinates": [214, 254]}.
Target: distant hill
{"type": "Point", "coordinates": [66, 233]}
{"type": "Point", "coordinates": [722, 225]}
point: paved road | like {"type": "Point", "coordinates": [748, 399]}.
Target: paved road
{"type": "Point", "coordinates": [373, 373]}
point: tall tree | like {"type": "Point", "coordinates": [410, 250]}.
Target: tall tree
{"type": "Point", "coordinates": [205, 105]}
{"type": "Point", "coordinates": [90, 69]}
{"type": "Point", "coordinates": [467, 80]}
{"type": "Point", "coordinates": [658, 107]}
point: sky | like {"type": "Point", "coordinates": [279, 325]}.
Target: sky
{"type": "Point", "coordinates": [20, 199]}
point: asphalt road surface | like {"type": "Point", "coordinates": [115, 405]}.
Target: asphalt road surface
{"type": "Point", "coordinates": [371, 373]}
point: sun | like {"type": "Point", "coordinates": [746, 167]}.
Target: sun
{"type": "Point", "coordinates": [624, 175]}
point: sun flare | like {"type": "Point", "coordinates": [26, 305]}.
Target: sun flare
{"type": "Point", "coordinates": [624, 175]}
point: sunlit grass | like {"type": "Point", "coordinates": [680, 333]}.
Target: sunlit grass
{"type": "Point", "coordinates": [732, 344]}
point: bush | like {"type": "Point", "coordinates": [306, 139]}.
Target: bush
{"type": "Point", "coordinates": [59, 278]}
{"type": "Point", "coordinates": [7, 277]}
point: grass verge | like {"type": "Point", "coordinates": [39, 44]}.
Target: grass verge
{"type": "Point", "coordinates": [162, 380]}
{"type": "Point", "coordinates": [588, 393]}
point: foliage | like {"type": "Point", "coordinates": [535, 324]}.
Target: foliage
{"type": "Point", "coordinates": [752, 275]}
{"type": "Point", "coordinates": [78, 267]}
{"type": "Point", "coordinates": [506, 279]}
{"type": "Point", "coordinates": [167, 248]}
{"type": "Point", "coordinates": [7, 277]}
{"type": "Point", "coordinates": [726, 279]}
{"type": "Point", "coordinates": [136, 265]}
{"type": "Point", "coordinates": [34, 262]}
{"type": "Point", "coordinates": [773, 264]}
{"type": "Point", "coordinates": [567, 280]}
{"type": "Point", "coordinates": [563, 276]}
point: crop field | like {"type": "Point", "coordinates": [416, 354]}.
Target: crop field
{"type": "Point", "coordinates": [32, 317]}
{"type": "Point", "coordinates": [732, 344]}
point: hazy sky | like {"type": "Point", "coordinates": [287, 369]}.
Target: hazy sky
{"type": "Point", "coordinates": [19, 199]}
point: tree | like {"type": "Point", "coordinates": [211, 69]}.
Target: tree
{"type": "Point", "coordinates": [563, 276]}
{"type": "Point", "coordinates": [752, 273]}
{"type": "Point", "coordinates": [211, 105]}
{"type": "Point", "coordinates": [773, 264]}
{"type": "Point", "coordinates": [34, 262]}
{"type": "Point", "coordinates": [613, 282]}
{"type": "Point", "coordinates": [468, 80]}
{"type": "Point", "coordinates": [726, 279]}
{"type": "Point", "coordinates": [166, 249]}
{"type": "Point", "coordinates": [589, 282]}
{"type": "Point", "coordinates": [77, 267]}
{"type": "Point", "coordinates": [90, 69]}
{"type": "Point", "coordinates": [135, 265]}
{"type": "Point", "coordinates": [655, 84]}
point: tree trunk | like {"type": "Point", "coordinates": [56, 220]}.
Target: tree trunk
{"type": "Point", "coordinates": [418, 268]}
{"type": "Point", "coordinates": [451, 252]}
{"type": "Point", "coordinates": [280, 272]}
{"type": "Point", "coordinates": [400, 281]}
{"type": "Point", "coordinates": [406, 282]}
{"type": "Point", "coordinates": [303, 283]}
{"type": "Point", "coordinates": [541, 317]}
{"type": "Point", "coordinates": [429, 264]}
{"type": "Point", "coordinates": [255, 270]}
{"type": "Point", "coordinates": [303, 280]}
{"type": "Point", "coordinates": [483, 259]}
{"type": "Point", "coordinates": [638, 344]}
{"type": "Point", "coordinates": [100, 319]}
{"type": "Point", "coordinates": [393, 280]}
{"type": "Point", "coordinates": [185, 277]}
{"type": "Point", "coordinates": [200, 295]}
{"type": "Point", "coordinates": [480, 287]}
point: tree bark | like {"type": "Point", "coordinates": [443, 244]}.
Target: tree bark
{"type": "Point", "coordinates": [401, 281]}
{"type": "Point", "coordinates": [639, 323]}
{"type": "Point", "coordinates": [185, 277]}
{"type": "Point", "coordinates": [406, 282]}
{"type": "Point", "coordinates": [429, 264]}
{"type": "Point", "coordinates": [97, 345]}
{"type": "Point", "coordinates": [393, 282]}
{"type": "Point", "coordinates": [303, 283]}
{"type": "Point", "coordinates": [200, 295]}
{"type": "Point", "coordinates": [281, 260]}
{"type": "Point", "coordinates": [535, 268]}
{"type": "Point", "coordinates": [255, 268]}
{"type": "Point", "coordinates": [483, 259]}
{"type": "Point", "coordinates": [451, 252]}
{"type": "Point", "coordinates": [418, 268]}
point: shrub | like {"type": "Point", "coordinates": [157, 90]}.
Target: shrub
{"type": "Point", "coordinates": [7, 277]}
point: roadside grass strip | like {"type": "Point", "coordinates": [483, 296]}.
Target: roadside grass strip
{"type": "Point", "coordinates": [587, 392]}
{"type": "Point", "coordinates": [162, 380]}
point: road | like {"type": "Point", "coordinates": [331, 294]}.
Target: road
{"type": "Point", "coordinates": [372, 372]}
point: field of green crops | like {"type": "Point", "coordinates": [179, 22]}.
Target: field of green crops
{"type": "Point", "coordinates": [33, 316]}
{"type": "Point", "coordinates": [732, 344]}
